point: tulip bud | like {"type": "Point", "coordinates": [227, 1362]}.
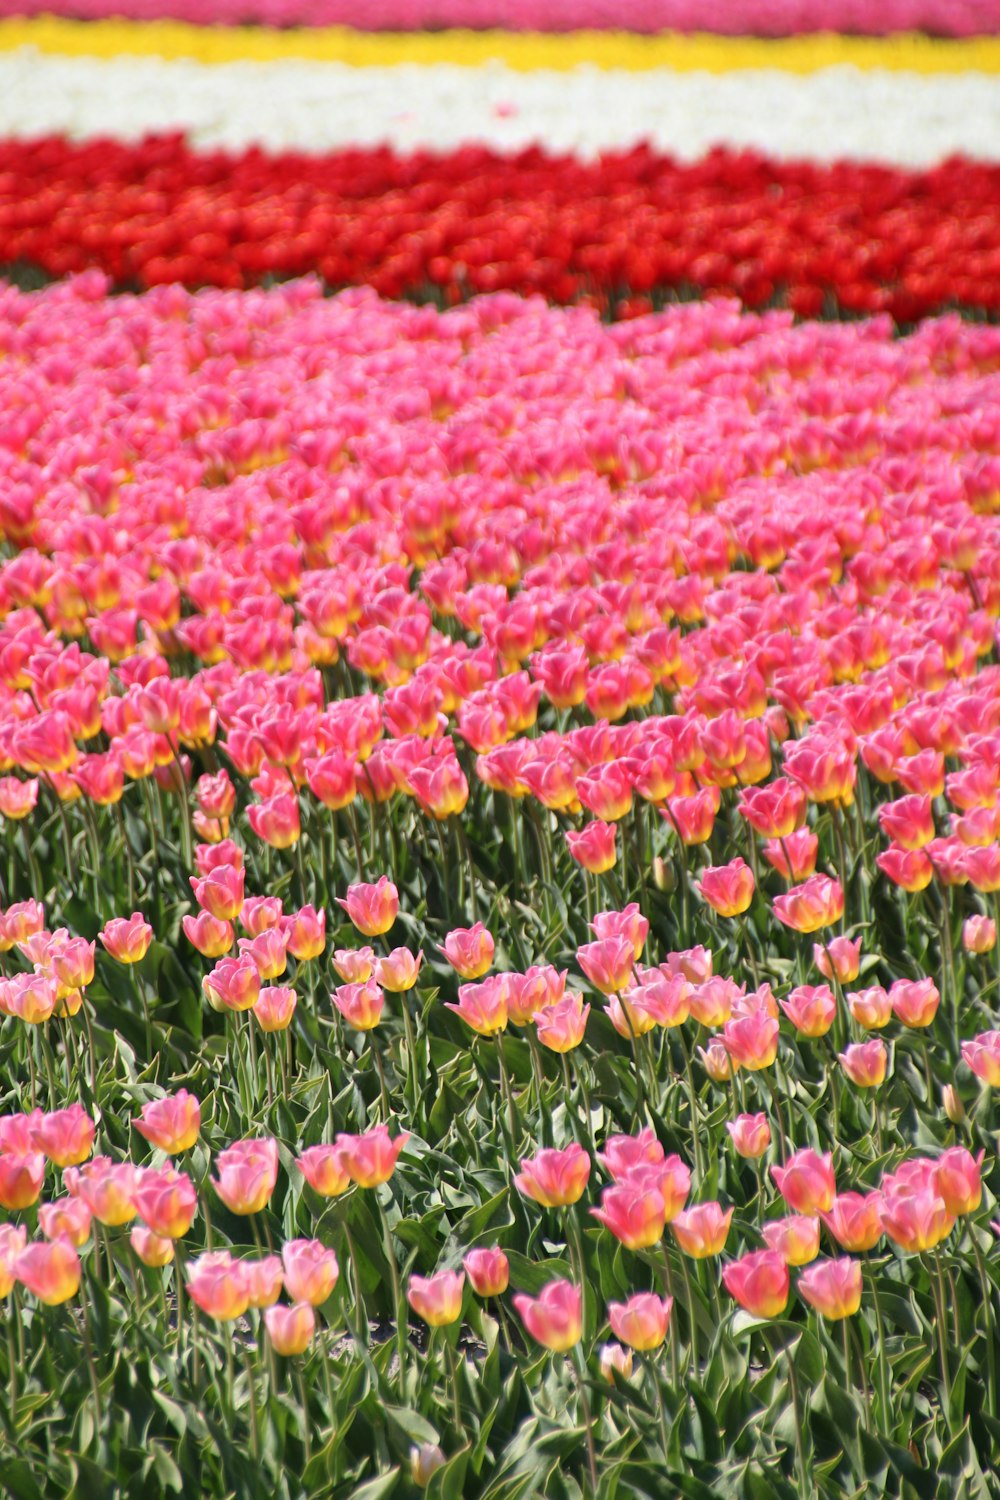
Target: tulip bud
{"type": "Point", "coordinates": [953, 1107]}
{"type": "Point", "coordinates": [425, 1462]}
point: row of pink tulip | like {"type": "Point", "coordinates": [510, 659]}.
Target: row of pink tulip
{"type": "Point", "coordinates": [728, 17]}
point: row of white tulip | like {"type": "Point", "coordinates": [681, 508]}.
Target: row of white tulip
{"type": "Point", "coordinates": [902, 118]}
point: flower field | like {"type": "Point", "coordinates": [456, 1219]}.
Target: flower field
{"type": "Point", "coordinates": [499, 757]}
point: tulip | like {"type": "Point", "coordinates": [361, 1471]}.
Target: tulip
{"type": "Point", "coordinates": [793, 857]}
{"type": "Point", "coordinates": [554, 1318]}
{"type": "Point", "coordinates": [910, 869]}
{"type": "Point", "coordinates": [488, 1271]}
{"type": "Point", "coordinates": [560, 1027]}
{"type": "Point", "coordinates": [628, 1019]}
{"type": "Point", "coordinates": [751, 1041]}
{"type": "Point", "coordinates": [811, 1008]}
{"type": "Point", "coordinates": [469, 950]}
{"type": "Point", "coordinates": [12, 1242]}
{"type": "Point", "coordinates": [51, 1270]}
{"type": "Point", "coordinates": [751, 1135]}
{"type": "Point", "coordinates": [775, 810]}
{"type": "Point", "coordinates": [728, 889]}
{"type": "Point", "coordinates": [865, 1063]}
{"type": "Point", "coordinates": [276, 821]}
{"type": "Point", "coordinates": [66, 1136]}
{"type": "Point", "coordinates": [718, 1062]}
{"type": "Point", "coordinates": [854, 1220]}
{"type": "Point", "coordinates": [172, 1123]}
{"type": "Point", "coordinates": [21, 1176]}
{"type": "Point", "coordinates": [67, 1218]}
{"type": "Point", "coordinates": [664, 1001]}
{"type": "Point", "coordinates": [264, 1280]}
{"type": "Point", "coordinates": [622, 1154]}
{"type": "Point", "coordinates": [701, 1231]}
{"type": "Point", "coordinates": [425, 1461]}
{"type": "Point", "coordinates": [628, 923]}
{"type": "Point", "coordinates": [372, 908]}
{"type": "Point", "coordinates": [370, 1159]}
{"type": "Point", "coordinates": [209, 936]}
{"type": "Point", "coordinates": [354, 965]}
{"type": "Point", "coordinates": [817, 903]}
{"type": "Point", "coordinates": [233, 984]}
{"type": "Point", "coordinates": [832, 1287]}
{"type": "Point", "coordinates": [839, 959]}
{"type": "Point", "coordinates": [635, 1214]}
{"type": "Point", "coordinates": [957, 1179]}
{"type": "Point", "coordinates": [693, 818]}
{"type": "Point", "coordinates": [982, 1055]}
{"type": "Point", "coordinates": [555, 1179]}
{"type": "Point", "coordinates": [915, 1001]}
{"type": "Point", "coordinates": [437, 1299]}
{"type": "Point", "coordinates": [166, 1202]}
{"type": "Point", "coordinates": [290, 1329]}
{"type": "Point", "coordinates": [711, 1001]}
{"type": "Point", "coordinates": [483, 1005]}
{"type": "Point", "coordinates": [360, 1005]}
{"type": "Point", "coordinates": [951, 1102]}
{"type": "Point", "coordinates": [594, 847]}
{"type": "Point", "coordinates": [916, 1220]}
{"type": "Point", "coordinates": [795, 1238]}
{"type": "Point", "coordinates": [607, 963]}
{"type": "Point", "coordinates": [398, 971]}
{"type": "Point", "coordinates": [275, 1007]}
{"type": "Point", "coordinates": [908, 822]}
{"type": "Point", "coordinates": [127, 939]}
{"type": "Point", "coordinates": [247, 1173]}
{"type": "Point", "coordinates": [268, 951]}
{"type": "Point", "coordinates": [614, 1360]}
{"type": "Point", "coordinates": [152, 1249]}
{"type": "Point", "coordinates": [324, 1170]}
{"type": "Point", "coordinates": [759, 1282]}
{"type": "Point", "coordinates": [871, 1008]}
{"type": "Point", "coordinates": [979, 934]}
{"type": "Point", "coordinates": [261, 913]}
{"type": "Point", "coordinates": [106, 1187]}
{"type": "Point", "coordinates": [220, 892]}
{"type": "Point", "coordinates": [310, 1271]}
{"type": "Point", "coordinates": [806, 1181]}
{"type": "Point", "coordinates": [642, 1321]}
{"type": "Point", "coordinates": [218, 1285]}
{"type": "Point", "coordinates": [304, 932]}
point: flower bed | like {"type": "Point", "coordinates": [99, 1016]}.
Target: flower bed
{"type": "Point", "coordinates": [616, 232]}
{"type": "Point", "coordinates": [443, 654]}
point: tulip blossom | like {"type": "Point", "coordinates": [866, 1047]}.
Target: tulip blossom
{"type": "Point", "coordinates": [642, 1321]}
{"type": "Point", "coordinates": [811, 1008]}
{"type": "Point", "coordinates": [370, 1159]}
{"type": "Point", "coordinates": [469, 950]}
{"type": "Point", "coordinates": [806, 1181]}
{"type": "Point", "coordinates": [67, 1218]}
{"type": "Point", "coordinates": [793, 857]}
{"type": "Point", "coordinates": [264, 1279]}
{"type": "Point", "coordinates": [310, 1271]}
{"type": "Point", "coordinates": [354, 965]}
{"type": "Point", "coordinates": [634, 1213]}
{"type": "Point", "coordinates": [982, 1055]}
{"type": "Point", "coordinates": [871, 1008]}
{"type": "Point", "coordinates": [247, 1173]}
{"type": "Point", "coordinates": [751, 1135]}
{"type": "Point", "coordinates": [483, 1005]}
{"type": "Point", "coordinates": [623, 1154]}
{"type": "Point", "coordinates": [628, 923]}
{"type": "Point", "coordinates": [560, 1027]}
{"type": "Point", "coordinates": [594, 847]}
{"type": "Point", "coordinates": [817, 903]}
{"type": "Point", "coordinates": [172, 1123]}
{"type": "Point", "coordinates": [360, 1004]}
{"type": "Point", "coordinates": [437, 1299]}
{"type": "Point", "coordinates": [553, 1178]}
{"type": "Point", "coordinates": [127, 939]}
{"type": "Point", "coordinates": [865, 1063]}
{"type": "Point", "coordinates": [957, 1179]}
{"type": "Point", "coordinates": [979, 934]}
{"type": "Point", "coordinates": [608, 963]}
{"type": "Point", "coordinates": [398, 970]}
{"type": "Point", "coordinates": [290, 1329]}
{"type": "Point", "coordinates": [21, 1176]}
{"type": "Point", "coordinates": [372, 908]}
{"type": "Point", "coordinates": [275, 1007]}
{"type": "Point", "coordinates": [728, 889]}
{"type": "Point", "coordinates": [701, 1230]}
{"type": "Point", "coordinates": [759, 1282]}
{"type": "Point", "coordinates": [324, 1169]}
{"type": "Point", "coordinates": [854, 1220]}
{"type": "Point", "coordinates": [50, 1270]}
{"type": "Point", "coordinates": [795, 1238]}
{"type": "Point", "coordinates": [211, 937]}
{"type": "Point", "coordinates": [916, 1220]}
{"type": "Point", "coordinates": [66, 1136]}
{"type": "Point", "coordinates": [106, 1187]}
{"type": "Point", "coordinates": [554, 1318]}
{"type": "Point", "coordinates": [304, 932]}
{"type": "Point", "coordinates": [217, 1283]}
{"type": "Point", "coordinates": [832, 1287]}
{"type": "Point", "coordinates": [614, 1360]}
{"type": "Point", "coordinates": [488, 1271]}
{"type": "Point", "coordinates": [166, 1201]}
{"type": "Point", "coordinates": [751, 1041]}
{"type": "Point", "coordinates": [838, 959]}
{"type": "Point", "coordinates": [915, 1001]}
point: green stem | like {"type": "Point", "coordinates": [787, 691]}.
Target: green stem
{"type": "Point", "coordinates": [588, 1425]}
{"type": "Point", "coordinates": [397, 1298]}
